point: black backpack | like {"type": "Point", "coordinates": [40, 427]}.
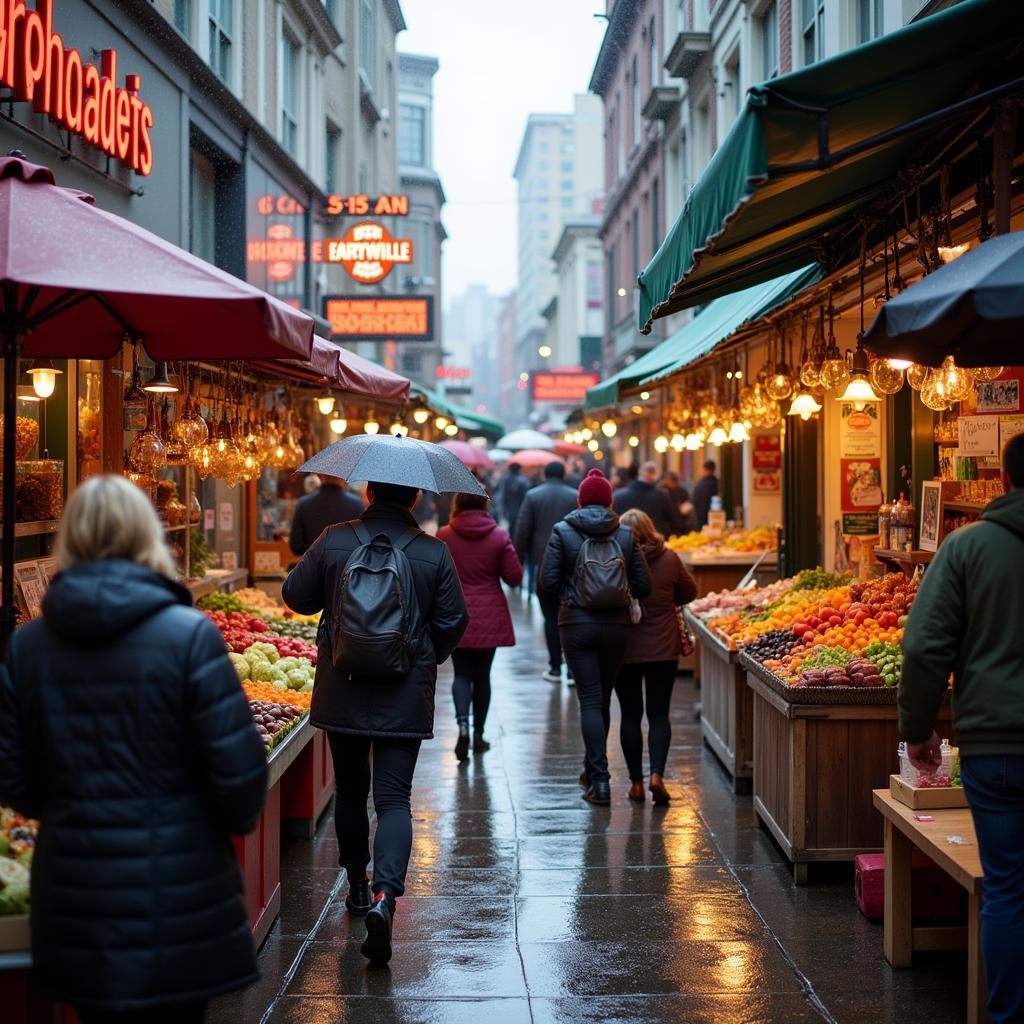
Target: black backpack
{"type": "Point", "coordinates": [601, 578]}
{"type": "Point", "coordinates": [376, 627]}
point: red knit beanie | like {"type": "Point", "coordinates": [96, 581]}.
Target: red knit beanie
{"type": "Point", "coordinates": [595, 489]}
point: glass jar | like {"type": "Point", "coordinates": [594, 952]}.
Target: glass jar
{"type": "Point", "coordinates": [39, 490]}
{"type": "Point", "coordinates": [884, 512]}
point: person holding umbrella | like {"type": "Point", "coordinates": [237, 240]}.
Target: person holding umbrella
{"type": "Point", "coordinates": [393, 609]}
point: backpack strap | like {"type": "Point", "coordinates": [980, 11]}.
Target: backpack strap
{"type": "Point", "coordinates": [361, 532]}
{"type": "Point", "coordinates": [407, 538]}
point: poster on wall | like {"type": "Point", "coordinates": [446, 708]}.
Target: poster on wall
{"type": "Point", "coordinates": [861, 481]}
{"type": "Point", "coordinates": [860, 431]}
{"type": "Point", "coordinates": [1009, 426]}
{"type": "Point", "coordinates": [999, 396]}
{"type": "Point", "coordinates": [766, 464]}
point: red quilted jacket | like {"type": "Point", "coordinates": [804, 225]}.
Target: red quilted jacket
{"type": "Point", "coordinates": [483, 556]}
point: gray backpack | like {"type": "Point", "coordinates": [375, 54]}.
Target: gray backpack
{"type": "Point", "coordinates": [376, 628]}
{"type": "Point", "coordinates": [601, 577]}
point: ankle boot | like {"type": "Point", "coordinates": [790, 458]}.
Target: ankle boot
{"type": "Point", "coordinates": [658, 791]}
{"type": "Point", "coordinates": [479, 743]}
{"type": "Point", "coordinates": [358, 901]}
{"type": "Point", "coordinates": [377, 947]}
{"type": "Point", "coordinates": [462, 745]}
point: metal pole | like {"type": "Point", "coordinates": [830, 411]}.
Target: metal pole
{"type": "Point", "coordinates": [12, 344]}
{"type": "Point", "coordinates": [1004, 136]}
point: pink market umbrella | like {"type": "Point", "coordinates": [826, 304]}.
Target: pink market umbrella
{"type": "Point", "coordinates": [534, 458]}
{"type": "Point", "coordinates": [76, 280]}
{"type": "Point", "coordinates": [469, 454]}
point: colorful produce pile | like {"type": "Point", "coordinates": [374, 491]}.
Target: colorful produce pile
{"type": "Point", "coordinates": [259, 601]}
{"type": "Point", "coordinates": [722, 601]}
{"type": "Point", "coordinates": [262, 663]}
{"type": "Point", "coordinates": [17, 844]}
{"type": "Point", "coordinates": [243, 629]}
{"type": "Point", "coordinates": [822, 630]}
{"type": "Point", "coordinates": [761, 538]}
{"type": "Point", "coordinates": [256, 690]}
{"type": "Point", "coordinates": [274, 720]}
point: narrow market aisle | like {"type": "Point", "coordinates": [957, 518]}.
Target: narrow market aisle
{"type": "Point", "coordinates": [527, 905]}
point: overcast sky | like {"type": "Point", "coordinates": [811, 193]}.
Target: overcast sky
{"type": "Point", "coordinates": [500, 61]}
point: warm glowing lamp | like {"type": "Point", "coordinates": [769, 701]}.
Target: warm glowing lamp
{"type": "Point", "coordinates": [804, 406]}
{"type": "Point", "coordinates": [325, 402]}
{"type": "Point", "coordinates": [44, 377]}
{"type": "Point", "coordinates": [420, 416]}
{"type": "Point", "coordinates": [609, 428]}
{"type": "Point", "coordinates": [158, 384]}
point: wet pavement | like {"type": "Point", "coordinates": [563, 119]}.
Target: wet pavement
{"type": "Point", "coordinates": [525, 904]}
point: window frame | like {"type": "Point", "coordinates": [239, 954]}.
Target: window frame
{"type": "Point", "coordinates": [290, 119]}
{"type": "Point", "coordinates": [404, 124]}
{"type": "Point", "coordinates": [217, 31]}
{"type": "Point", "coordinates": [768, 26]}
{"type": "Point", "coordinates": [812, 29]}
{"type": "Point", "coordinates": [635, 85]}
{"type": "Point", "coordinates": [368, 42]}
{"type": "Point", "coordinates": [652, 50]}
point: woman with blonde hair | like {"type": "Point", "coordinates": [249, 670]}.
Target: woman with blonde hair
{"type": "Point", "coordinates": [124, 730]}
{"type": "Point", "coordinates": [652, 656]}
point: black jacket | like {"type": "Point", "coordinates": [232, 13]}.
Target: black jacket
{"type": "Point", "coordinates": [557, 572]}
{"type": "Point", "coordinates": [545, 505]}
{"type": "Point", "coordinates": [315, 512]}
{"type": "Point", "coordinates": [372, 707]}
{"type": "Point", "coordinates": [123, 728]}
{"type": "Point", "coordinates": [510, 494]}
{"type": "Point", "coordinates": [705, 489]}
{"type": "Point", "coordinates": [653, 500]}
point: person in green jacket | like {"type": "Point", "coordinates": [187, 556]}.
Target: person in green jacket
{"type": "Point", "coordinates": [967, 620]}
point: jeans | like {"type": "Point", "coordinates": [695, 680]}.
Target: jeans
{"type": "Point", "coordinates": [594, 651]}
{"type": "Point", "coordinates": [658, 677]}
{"type": "Point", "coordinates": [549, 608]}
{"type": "Point", "coordinates": [394, 761]}
{"type": "Point", "coordinates": [472, 685]}
{"type": "Point", "coordinates": [995, 792]}
{"type": "Point", "coordinates": [175, 1013]}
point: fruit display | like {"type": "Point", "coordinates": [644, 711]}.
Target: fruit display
{"type": "Point", "coordinates": [254, 599]}
{"type": "Point", "coordinates": [262, 662]}
{"type": "Point", "coordinates": [722, 601]}
{"type": "Point", "coordinates": [17, 844]}
{"type": "Point", "coordinates": [256, 690]}
{"type": "Point", "coordinates": [218, 602]}
{"type": "Point", "coordinates": [296, 628]}
{"type": "Point", "coordinates": [732, 542]}
{"type": "Point", "coordinates": [243, 629]}
{"type": "Point", "coordinates": [274, 720]}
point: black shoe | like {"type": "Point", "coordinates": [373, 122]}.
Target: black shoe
{"type": "Point", "coordinates": [599, 793]}
{"type": "Point", "coordinates": [480, 744]}
{"type": "Point", "coordinates": [377, 947]}
{"type": "Point", "coordinates": [462, 745]}
{"type": "Point", "coordinates": [584, 780]}
{"type": "Point", "coordinates": [359, 900]}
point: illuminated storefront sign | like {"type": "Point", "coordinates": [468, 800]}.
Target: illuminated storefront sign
{"type": "Point", "coordinates": [452, 373]}
{"type": "Point", "coordinates": [361, 206]}
{"type": "Point", "coordinates": [82, 98]}
{"type": "Point", "coordinates": [368, 252]}
{"type": "Point", "coordinates": [381, 319]}
{"type": "Point", "coordinates": [280, 250]}
{"type": "Point", "coordinates": [568, 385]}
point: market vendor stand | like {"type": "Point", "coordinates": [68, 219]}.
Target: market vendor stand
{"type": "Point", "coordinates": [903, 832]}
{"type": "Point", "coordinates": [818, 754]}
{"type": "Point", "coordinates": [727, 705]}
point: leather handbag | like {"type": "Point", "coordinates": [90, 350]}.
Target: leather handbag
{"type": "Point", "coordinates": [687, 641]}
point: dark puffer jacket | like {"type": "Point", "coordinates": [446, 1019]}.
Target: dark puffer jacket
{"type": "Point", "coordinates": [368, 706]}
{"type": "Point", "coordinates": [123, 728]}
{"type": "Point", "coordinates": [483, 556]}
{"type": "Point", "coordinates": [559, 568]}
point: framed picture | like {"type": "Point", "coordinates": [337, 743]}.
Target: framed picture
{"type": "Point", "coordinates": [931, 514]}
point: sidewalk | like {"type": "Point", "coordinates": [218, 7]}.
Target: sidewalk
{"type": "Point", "coordinates": [525, 904]}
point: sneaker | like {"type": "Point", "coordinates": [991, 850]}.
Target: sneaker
{"type": "Point", "coordinates": [552, 676]}
{"type": "Point", "coordinates": [358, 901]}
{"type": "Point", "coordinates": [377, 947]}
{"type": "Point", "coordinates": [462, 744]}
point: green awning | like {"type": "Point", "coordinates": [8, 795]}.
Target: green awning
{"type": "Point", "coordinates": [479, 422]}
{"type": "Point", "coordinates": [463, 417]}
{"type": "Point", "coordinates": [718, 322]}
{"type": "Point", "coordinates": [808, 153]}
{"type": "Point", "coordinates": [433, 400]}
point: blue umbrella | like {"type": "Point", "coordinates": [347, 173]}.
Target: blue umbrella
{"type": "Point", "coordinates": [395, 460]}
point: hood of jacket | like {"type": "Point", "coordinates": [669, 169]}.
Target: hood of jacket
{"type": "Point", "coordinates": [652, 552]}
{"type": "Point", "coordinates": [594, 520]}
{"type": "Point", "coordinates": [1007, 510]}
{"type": "Point", "coordinates": [95, 602]}
{"type": "Point", "coordinates": [473, 524]}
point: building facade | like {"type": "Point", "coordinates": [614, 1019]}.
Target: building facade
{"type": "Point", "coordinates": [558, 176]}
{"type": "Point", "coordinates": [420, 359]}
{"type": "Point", "coordinates": [512, 386]}
{"type": "Point", "coordinates": [471, 343]}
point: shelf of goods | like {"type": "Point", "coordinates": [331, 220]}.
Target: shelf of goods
{"type": "Point", "coordinates": [821, 659]}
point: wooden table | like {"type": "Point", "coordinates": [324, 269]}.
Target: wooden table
{"type": "Point", "coordinates": [902, 833]}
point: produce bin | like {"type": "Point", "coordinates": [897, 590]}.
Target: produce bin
{"type": "Point", "coordinates": [307, 787]}
{"type": "Point", "coordinates": [818, 754]}
{"type": "Point", "coordinates": [727, 705]}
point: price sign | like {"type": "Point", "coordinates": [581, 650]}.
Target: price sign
{"type": "Point", "coordinates": [979, 435]}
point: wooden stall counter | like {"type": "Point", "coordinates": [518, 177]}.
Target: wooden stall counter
{"type": "Point", "coordinates": [903, 832]}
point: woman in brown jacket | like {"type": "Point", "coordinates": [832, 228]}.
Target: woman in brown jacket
{"type": "Point", "coordinates": [652, 655]}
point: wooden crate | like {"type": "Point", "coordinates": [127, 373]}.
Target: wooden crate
{"type": "Point", "coordinates": [921, 799]}
{"type": "Point", "coordinates": [815, 766]}
{"type": "Point", "coordinates": [727, 706]}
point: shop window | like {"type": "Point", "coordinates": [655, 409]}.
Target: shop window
{"type": "Point", "coordinates": [412, 122]}
{"type": "Point", "coordinates": [332, 150]}
{"type": "Point", "coordinates": [90, 418]}
{"type": "Point", "coordinates": [368, 41]}
{"type": "Point", "coordinates": [733, 89]}
{"type": "Point", "coordinates": [768, 25]}
{"type": "Point", "coordinates": [290, 93]}
{"type": "Point", "coordinates": [814, 30]}
{"type": "Point", "coordinates": [870, 20]}
{"type": "Point", "coordinates": [202, 203]}
{"type": "Point", "coordinates": [412, 363]}
{"type": "Point", "coordinates": [652, 46]}
{"type": "Point", "coordinates": [183, 17]}
{"type": "Point", "coordinates": [221, 24]}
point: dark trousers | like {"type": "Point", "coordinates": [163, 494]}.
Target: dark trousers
{"type": "Point", "coordinates": [549, 609]}
{"type": "Point", "coordinates": [178, 1013]}
{"type": "Point", "coordinates": [995, 792]}
{"type": "Point", "coordinates": [394, 761]}
{"type": "Point", "coordinates": [472, 685]}
{"type": "Point", "coordinates": [657, 677]}
{"type": "Point", "coordinates": [594, 652]}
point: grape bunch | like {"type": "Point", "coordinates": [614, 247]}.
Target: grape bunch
{"type": "Point", "coordinates": [773, 645]}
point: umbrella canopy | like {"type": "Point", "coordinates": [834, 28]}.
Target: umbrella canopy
{"type": "Point", "coordinates": [972, 308]}
{"type": "Point", "coordinates": [499, 456]}
{"type": "Point", "coordinates": [570, 448]}
{"type": "Point", "coordinates": [395, 460]}
{"type": "Point", "coordinates": [77, 278]}
{"type": "Point", "coordinates": [519, 439]}
{"type": "Point", "coordinates": [469, 454]}
{"type": "Point", "coordinates": [532, 458]}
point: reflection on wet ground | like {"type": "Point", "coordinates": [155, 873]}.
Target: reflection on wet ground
{"type": "Point", "coordinates": [526, 905]}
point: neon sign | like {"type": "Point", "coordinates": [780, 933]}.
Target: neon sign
{"type": "Point", "coordinates": [368, 252]}
{"type": "Point", "coordinates": [337, 205]}
{"type": "Point", "coordinates": [567, 385]}
{"type": "Point", "coordinates": [84, 99]}
{"type": "Point", "coordinates": [381, 319]}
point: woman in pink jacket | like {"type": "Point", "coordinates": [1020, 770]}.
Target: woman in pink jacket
{"type": "Point", "coordinates": [483, 556]}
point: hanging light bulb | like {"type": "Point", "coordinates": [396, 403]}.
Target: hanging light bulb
{"type": "Point", "coordinates": [451, 430]}
{"type": "Point", "coordinates": [44, 377]}
{"type": "Point", "coordinates": [634, 441]}
{"type": "Point", "coordinates": [779, 385]}
{"type": "Point", "coordinates": [859, 390]}
{"type": "Point", "coordinates": [988, 373]}
{"type": "Point", "coordinates": [738, 433]}
{"type": "Point", "coordinates": [644, 395]}
{"type": "Point", "coordinates": [609, 428]}
{"type": "Point", "coordinates": [567, 437]}
{"type": "Point", "coordinates": [958, 381]}
{"type": "Point", "coordinates": [338, 424]}
{"type": "Point", "coordinates": [593, 445]}
{"type": "Point", "coordinates": [804, 405]}
{"type": "Point", "coordinates": [398, 429]}
{"type": "Point", "coordinates": [441, 422]}
{"type": "Point", "coordinates": [900, 364]}
{"type": "Point", "coordinates": [885, 377]}
{"type": "Point", "coordinates": [948, 253]}
{"type": "Point", "coordinates": [661, 444]}
{"type": "Point", "coordinates": [160, 383]}
{"type": "Point", "coordinates": [420, 416]}
{"type": "Point", "coordinates": [577, 437]}
{"type": "Point", "coordinates": [325, 402]}
{"type": "Point", "coordinates": [917, 375]}
{"type": "Point", "coordinates": [586, 433]}
{"type": "Point", "coordinates": [933, 393]}
{"type": "Point", "coordinates": [718, 437]}
{"type": "Point", "coordinates": [371, 426]}
{"type": "Point", "coordinates": [677, 443]}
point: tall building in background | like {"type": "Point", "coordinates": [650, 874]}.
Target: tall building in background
{"type": "Point", "coordinates": [471, 345]}
{"type": "Point", "coordinates": [420, 359]}
{"type": "Point", "coordinates": [511, 401]}
{"type": "Point", "coordinates": [559, 177]}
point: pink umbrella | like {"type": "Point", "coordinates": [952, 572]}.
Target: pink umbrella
{"type": "Point", "coordinates": [469, 454]}
{"type": "Point", "coordinates": [534, 458]}
{"type": "Point", "coordinates": [75, 280]}
{"type": "Point", "coordinates": [570, 448]}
